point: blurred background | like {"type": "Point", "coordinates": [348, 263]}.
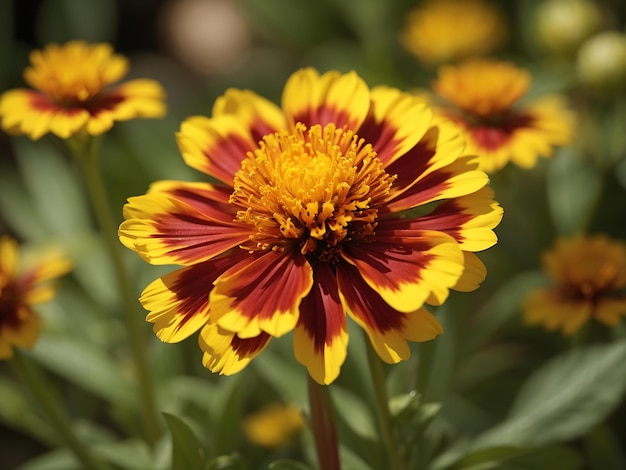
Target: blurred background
{"type": "Point", "coordinates": [199, 48]}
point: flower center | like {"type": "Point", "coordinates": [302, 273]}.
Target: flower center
{"type": "Point", "coordinates": [312, 188]}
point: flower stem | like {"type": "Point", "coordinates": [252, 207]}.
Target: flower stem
{"type": "Point", "coordinates": [88, 157]}
{"type": "Point", "coordinates": [36, 383]}
{"type": "Point", "coordinates": [323, 424]}
{"type": "Point", "coordinates": [382, 404]}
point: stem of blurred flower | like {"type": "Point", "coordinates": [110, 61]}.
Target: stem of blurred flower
{"type": "Point", "coordinates": [87, 153]}
{"type": "Point", "coordinates": [41, 390]}
{"type": "Point", "coordinates": [323, 424]}
{"type": "Point", "coordinates": [382, 404]}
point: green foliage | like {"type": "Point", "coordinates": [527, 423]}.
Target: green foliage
{"type": "Point", "coordinates": [564, 399]}
{"type": "Point", "coordinates": [186, 450]}
{"type": "Point", "coordinates": [490, 393]}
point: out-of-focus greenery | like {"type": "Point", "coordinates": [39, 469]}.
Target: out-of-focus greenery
{"type": "Point", "coordinates": [489, 393]}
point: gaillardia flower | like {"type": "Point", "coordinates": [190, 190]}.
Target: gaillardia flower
{"type": "Point", "coordinates": [439, 31]}
{"type": "Point", "coordinates": [589, 277]}
{"type": "Point", "coordinates": [70, 93]}
{"type": "Point", "coordinates": [345, 199]}
{"type": "Point", "coordinates": [482, 95]}
{"type": "Point", "coordinates": [21, 287]}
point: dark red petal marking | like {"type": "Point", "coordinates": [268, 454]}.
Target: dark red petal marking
{"type": "Point", "coordinates": [365, 303]}
{"type": "Point", "coordinates": [321, 312]}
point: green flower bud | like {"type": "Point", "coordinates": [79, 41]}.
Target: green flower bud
{"type": "Point", "coordinates": [601, 62]}
{"type": "Point", "coordinates": [562, 25]}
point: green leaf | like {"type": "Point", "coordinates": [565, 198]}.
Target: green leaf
{"type": "Point", "coordinates": [17, 208]}
{"type": "Point", "coordinates": [186, 450]}
{"type": "Point", "coordinates": [438, 358]}
{"type": "Point", "coordinates": [86, 365]}
{"type": "Point", "coordinates": [129, 455]}
{"type": "Point", "coordinates": [286, 464]}
{"type": "Point", "coordinates": [17, 412]}
{"type": "Point", "coordinates": [227, 462]}
{"type": "Point", "coordinates": [486, 458]}
{"type": "Point", "coordinates": [403, 407]}
{"type": "Point", "coordinates": [516, 458]}
{"type": "Point", "coordinates": [573, 188]}
{"type": "Point", "coordinates": [53, 187]}
{"type": "Point", "coordinates": [564, 399]}
{"type": "Point", "coordinates": [60, 459]}
{"type": "Point", "coordinates": [547, 458]}
{"type": "Point", "coordinates": [359, 414]}
{"type": "Point", "coordinates": [228, 421]}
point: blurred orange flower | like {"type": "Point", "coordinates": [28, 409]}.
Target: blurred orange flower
{"type": "Point", "coordinates": [70, 93]}
{"type": "Point", "coordinates": [482, 99]}
{"type": "Point", "coordinates": [446, 30]}
{"type": "Point", "coordinates": [273, 425]}
{"type": "Point", "coordinates": [20, 289]}
{"type": "Point", "coordinates": [589, 275]}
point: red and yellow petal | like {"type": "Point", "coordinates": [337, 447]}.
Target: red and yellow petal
{"type": "Point", "coordinates": [164, 230]}
{"type": "Point", "coordinates": [440, 146]}
{"type": "Point", "coordinates": [474, 273]}
{"type": "Point", "coordinates": [215, 146]}
{"type": "Point", "coordinates": [547, 307]}
{"type": "Point", "coordinates": [33, 114]}
{"type": "Point", "coordinates": [469, 219]}
{"type": "Point", "coordinates": [387, 328]}
{"type": "Point", "coordinates": [321, 336]}
{"type": "Point", "coordinates": [262, 294]}
{"type": "Point", "coordinates": [406, 271]}
{"type": "Point", "coordinates": [22, 333]}
{"type": "Point", "coordinates": [396, 123]}
{"type": "Point", "coordinates": [225, 352]}
{"type": "Point", "coordinates": [340, 99]}
{"type": "Point", "coordinates": [610, 311]}
{"type": "Point", "coordinates": [178, 303]}
{"type": "Point", "coordinates": [454, 180]}
{"type": "Point", "coordinates": [9, 259]}
{"type": "Point", "coordinates": [141, 98]}
{"type": "Point", "coordinates": [256, 114]}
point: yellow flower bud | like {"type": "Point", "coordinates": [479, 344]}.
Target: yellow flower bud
{"type": "Point", "coordinates": [601, 62]}
{"type": "Point", "coordinates": [562, 25]}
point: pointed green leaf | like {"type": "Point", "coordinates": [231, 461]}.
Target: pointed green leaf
{"type": "Point", "coordinates": [59, 459]}
{"type": "Point", "coordinates": [227, 462]}
{"type": "Point", "coordinates": [564, 399]}
{"type": "Point", "coordinates": [186, 450]}
{"type": "Point", "coordinates": [86, 365]}
{"type": "Point", "coordinates": [286, 464]}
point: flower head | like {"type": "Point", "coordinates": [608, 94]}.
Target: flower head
{"type": "Point", "coordinates": [21, 289]}
{"type": "Point", "coordinates": [441, 31]}
{"type": "Point", "coordinates": [482, 99]}
{"type": "Point", "coordinates": [273, 425]}
{"type": "Point", "coordinates": [344, 199]}
{"type": "Point", "coordinates": [589, 277]}
{"type": "Point", "coordinates": [70, 93]}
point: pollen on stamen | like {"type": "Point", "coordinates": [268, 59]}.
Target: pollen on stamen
{"type": "Point", "coordinates": [307, 188]}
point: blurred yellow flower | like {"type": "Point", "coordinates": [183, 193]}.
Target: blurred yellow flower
{"type": "Point", "coordinates": [273, 425]}
{"type": "Point", "coordinates": [70, 93]}
{"type": "Point", "coordinates": [20, 289]}
{"type": "Point", "coordinates": [589, 274]}
{"type": "Point", "coordinates": [446, 30]}
{"type": "Point", "coordinates": [482, 96]}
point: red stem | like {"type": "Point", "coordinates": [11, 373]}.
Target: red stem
{"type": "Point", "coordinates": [323, 424]}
